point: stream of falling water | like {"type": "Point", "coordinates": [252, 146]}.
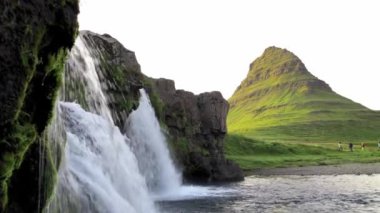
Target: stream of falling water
{"type": "Point", "coordinates": [99, 172]}
{"type": "Point", "coordinates": [102, 169]}
{"type": "Point", "coordinates": [149, 145]}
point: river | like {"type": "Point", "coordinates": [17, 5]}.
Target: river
{"type": "Point", "coordinates": [291, 193]}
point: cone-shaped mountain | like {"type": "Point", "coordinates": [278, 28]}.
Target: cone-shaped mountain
{"type": "Point", "coordinates": [281, 100]}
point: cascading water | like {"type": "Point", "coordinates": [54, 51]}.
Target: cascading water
{"type": "Point", "coordinates": [101, 169]}
{"type": "Point", "coordinates": [149, 145]}
{"type": "Point", "coordinates": [99, 173]}
{"type": "Point", "coordinates": [81, 68]}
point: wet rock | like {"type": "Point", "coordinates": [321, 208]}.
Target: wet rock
{"type": "Point", "coordinates": [35, 36]}
{"type": "Point", "coordinates": [196, 124]}
{"type": "Point", "coordinates": [197, 127]}
{"type": "Point", "coordinates": [118, 72]}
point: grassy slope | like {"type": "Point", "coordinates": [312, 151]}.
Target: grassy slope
{"type": "Point", "coordinates": [280, 101]}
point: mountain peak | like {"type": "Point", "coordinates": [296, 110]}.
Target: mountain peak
{"type": "Point", "coordinates": [274, 49]}
{"type": "Point", "coordinates": [276, 60]}
{"type": "Point", "coordinates": [279, 94]}
{"type": "Point", "coordinates": [278, 68]}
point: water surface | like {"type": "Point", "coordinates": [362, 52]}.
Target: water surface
{"type": "Point", "coordinates": [341, 193]}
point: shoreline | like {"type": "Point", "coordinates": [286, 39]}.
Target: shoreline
{"type": "Point", "coordinates": [339, 169]}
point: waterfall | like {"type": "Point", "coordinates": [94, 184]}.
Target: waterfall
{"type": "Point", "coordinates": [149, 144]}
{"type": "Point", "coordinates": [101, 169]}
{"type": "Point", "coordinates": [81, 78]}
{"type": "Point", "coordinates": [98, 172]}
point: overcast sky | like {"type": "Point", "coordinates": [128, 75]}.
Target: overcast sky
{"type": "Point", "coordinates": [207, 45]}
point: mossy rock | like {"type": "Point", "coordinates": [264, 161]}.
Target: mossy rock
{"type": "Point", "coordinates": [34, 39]}
{"type": "Point", "coordinates": [118, 72]}
{"type": "Point", "coordinates": [38, 194]}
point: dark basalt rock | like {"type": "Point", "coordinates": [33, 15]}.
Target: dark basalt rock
{"type": "Point", "coordinates": [197, 127]}
{"type": "Point", "coordinates": [196, 124]}
{"type": "Point", "coordinates": [118, 72]}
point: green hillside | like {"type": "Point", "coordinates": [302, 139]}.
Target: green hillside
{"type": "Point", "coordinates": [280, 100]}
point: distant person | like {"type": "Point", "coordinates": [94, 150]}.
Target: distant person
{"type": "Point", "coordinates": [363, 146]}
{"type": "Point", "coordinates": [340, 148]}
{"type": "Point", "coordinates": [378, 146]}
{"type": "Point", "coordinates": [351, 146]}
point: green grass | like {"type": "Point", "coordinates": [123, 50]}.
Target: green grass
{"type": "Point", "coordinates": [252, 154]}
{"type": "Point", "coordinates": [281, 115]}
{"type": "Point", "coordinates": [281, 101]}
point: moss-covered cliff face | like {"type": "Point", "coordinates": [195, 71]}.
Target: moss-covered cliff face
{"type": "Point", "coordinates": [34, 38]}
{"type": "Point", "coordinates": [117, 70]}
{"type": "Point", "coordinates": [197, 126]}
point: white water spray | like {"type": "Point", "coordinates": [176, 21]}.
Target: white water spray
{"type": "Point", "coordinates": [102, 170]}
{"type": "Point", "coordinates": [149, 145]}
{"type": "Point", "coordinates": [99, 173]}
{"type": "Point", "coordinates": [81, 68]}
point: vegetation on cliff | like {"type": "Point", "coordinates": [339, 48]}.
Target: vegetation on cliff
{"type": "Point", "coordinates": [34, 39]}
{"type": "Point", "coordinates": [118, 72]}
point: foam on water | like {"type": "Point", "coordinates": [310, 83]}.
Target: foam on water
{"type": "Point", "coordinates": [190, 192]}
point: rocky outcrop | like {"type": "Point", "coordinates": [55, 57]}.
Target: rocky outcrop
{"type": "Point", "coordinates": [196, 126]}
{"type": "Point", "coordinates": [118, 72]}
{"type": "Point", "coordinates": [34, 38]}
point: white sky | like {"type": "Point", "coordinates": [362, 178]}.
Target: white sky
{"type": "Point", "coordinates": [207, 45]}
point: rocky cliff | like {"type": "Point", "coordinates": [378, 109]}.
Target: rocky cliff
{"type": "Point", "coordinates": [196, 126]}
{"type": "Point", "coordinates": [35, 36]}
{"type": "Point", "coordinates": [118, 72]}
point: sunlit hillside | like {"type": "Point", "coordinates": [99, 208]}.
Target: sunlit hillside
{"type": "Point", "coordinates": [280, 100]}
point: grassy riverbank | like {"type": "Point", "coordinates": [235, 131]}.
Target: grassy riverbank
{"type": "Point", "coordinates": [252, 154]}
